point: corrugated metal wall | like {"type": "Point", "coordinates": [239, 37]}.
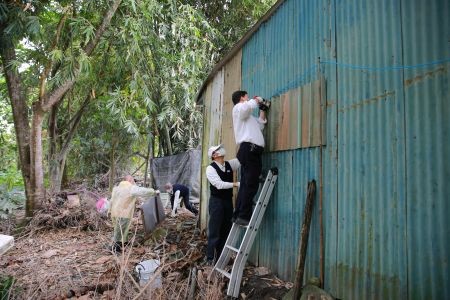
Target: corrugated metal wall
{"type": "Point", "coordinates": [426, 37]}
{"type": "Point", "coordinates": [371, 252]}
{"type": "Point", "coordinates": [212, 134]}
{"type": "Point", "coordinates": [386, 165]}
{"type": "Point", "coordinates": [281, 57]}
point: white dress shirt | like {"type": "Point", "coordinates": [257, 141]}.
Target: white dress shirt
{"type": "Point", "coordinates": [215, 179]}
{"type": "Point", "coordinates": [247, 128]}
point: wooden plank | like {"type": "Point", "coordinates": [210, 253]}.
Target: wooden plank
{"type": "Point", "coordinates": [284, 124]}
{"type": "Point", "coordinates": [293, 140]}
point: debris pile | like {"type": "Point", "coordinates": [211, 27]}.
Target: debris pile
{"type": "Point", "coordinates": [66, 253]}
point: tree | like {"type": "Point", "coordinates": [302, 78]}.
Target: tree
{"type": "Point", "coordinates": [23, 21]}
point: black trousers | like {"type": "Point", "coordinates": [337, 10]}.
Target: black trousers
{"type": "Point", "coordinates": [220, 213]}
{"type": "Point", "coordinates": [249, 155]}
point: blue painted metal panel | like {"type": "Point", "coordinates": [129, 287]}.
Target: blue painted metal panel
{"type": "Point", "coordinates": [426, 38]}
{"type": "Point", "coordinates": [385, 165]}
{"type": "Point", "coordinates": [279, 236]}
{"type": "Point", "coordinates": [283, 55]}
{"type": "Point", "coordinates": [371, 174]}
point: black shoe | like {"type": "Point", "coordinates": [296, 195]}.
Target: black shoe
{"type": "Point", "coordinates": [208, 262]}
{"type": "Point", "coordinates": [116, 248]}
{"type": "Point", "coordinates": [241, 222]}
{"type": "Point", "coordinates": [233, 219]}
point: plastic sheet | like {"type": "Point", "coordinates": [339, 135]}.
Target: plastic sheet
{"type": "Point", "coordinates": [182, 168]}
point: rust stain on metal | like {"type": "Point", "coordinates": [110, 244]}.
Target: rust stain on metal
{"type": "Point", "coordinates": [385, 95]}
{"type": "Point", "coordinates": [429, 74]}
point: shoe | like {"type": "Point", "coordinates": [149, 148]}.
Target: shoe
{"type": "Point", "coordinates": [116, 248]}
{"type": "Point", "coordinates": [241, 222]}
{"type": "Point", "coordinates": [208, 262]}
{"type": "Point", "coordinates": [233, 219]}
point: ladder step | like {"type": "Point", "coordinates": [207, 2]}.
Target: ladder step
{"type": "Point", "coordinates": [224, 273]}
{"type": "Point", "coordinates": [232, 248]}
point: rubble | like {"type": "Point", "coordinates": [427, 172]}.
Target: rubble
{"type": "Point", "coordinates": [66, 253]}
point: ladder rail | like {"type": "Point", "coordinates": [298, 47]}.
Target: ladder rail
{"type": "Point", "coordinates": [242, 251]}
{"type": "Point", "coordinates": [249, 237]}
{"type": "Point", "coordinates": [233, 236]}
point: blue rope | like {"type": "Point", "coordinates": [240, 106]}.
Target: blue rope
{"type": "Point", "coordinates": [311, 71]}
{"type": "Point", "coordinates": [392, 68]}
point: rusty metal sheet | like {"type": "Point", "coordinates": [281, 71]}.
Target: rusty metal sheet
{"type": "Point", "coordinates": [293, 113]}
{"type": "Point", "coordinates": [232, 82]}
{"type": "Point", "coordinates": [306, 115]}
{"type": "Point", "coordinates": [295, 118]}
{"type": "Point", "coordinates": [213, 103]}
{"type": "Point", "coordinates": [273, 124]}
{"type": "Point", "coordinates": [315, 113]}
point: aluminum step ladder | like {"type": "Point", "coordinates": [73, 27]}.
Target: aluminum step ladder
{"type": "Point", "coordinates": [240, 252]}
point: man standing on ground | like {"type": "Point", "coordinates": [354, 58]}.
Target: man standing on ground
{"type": "Point", "coordinates": [176, 192]}
{"type": "Point", "coordinates": [123, 200]}
{"type": "Point", "coordinates": [220, 177]}
{"type": "Point", "coordinates": [249, 137]}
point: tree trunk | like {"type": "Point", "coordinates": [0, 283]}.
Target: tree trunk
{"type": "Point", "coordinates": [37, 166]}
{"type": "Point", "coordinates": [149, 159]}
{"type": "Point", "coordinates": [167, 141]}
{"type": "Point", "coordinates": [20, 114]}
{"type": "Point", "coordinates": [112, 168]}
{"type": "Point", "coordinates": [30, 142]}
{"type": "Point", "coordinates": [57, 159]}
{"type": "Point", "coordinates": [54, 164]}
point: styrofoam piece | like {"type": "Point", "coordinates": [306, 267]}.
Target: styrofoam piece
{"type": "Point", "coordinates": [6, 242]}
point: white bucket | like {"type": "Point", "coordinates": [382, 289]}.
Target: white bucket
{"type": "Point", "coordinates": [145, 271]}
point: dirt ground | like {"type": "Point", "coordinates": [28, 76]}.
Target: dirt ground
{"type": "Point", "coordinates": [65, 253]}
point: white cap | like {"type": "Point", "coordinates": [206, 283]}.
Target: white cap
{"type": "Point", "coordinates": [214, 149]}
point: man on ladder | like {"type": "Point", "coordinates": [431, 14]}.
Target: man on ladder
{"type": "Point", "coordinates": [247, 131]}
{"type": "Point", "coordinates": [249, 137]}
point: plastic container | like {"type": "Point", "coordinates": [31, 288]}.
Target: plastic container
{"type": "Point", "coordinates": [145, 271]}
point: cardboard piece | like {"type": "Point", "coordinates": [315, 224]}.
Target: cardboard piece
{"type": "Point", "coordinates": [73, 201]}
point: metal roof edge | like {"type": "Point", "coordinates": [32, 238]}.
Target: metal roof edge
{"type": "Point", "coordinates": [238, 46]}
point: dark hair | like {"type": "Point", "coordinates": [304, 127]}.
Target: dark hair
{"type": "Point", "coordinates": [236, 97]}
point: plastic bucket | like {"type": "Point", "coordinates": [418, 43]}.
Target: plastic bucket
{"type": "Point", "coordinates": [145, 271]}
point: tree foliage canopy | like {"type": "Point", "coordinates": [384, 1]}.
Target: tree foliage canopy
{"type": "Point", "coordinates": [109, 90]}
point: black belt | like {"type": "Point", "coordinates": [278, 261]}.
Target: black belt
{"type": "Point", "coordinates": [254, 146]}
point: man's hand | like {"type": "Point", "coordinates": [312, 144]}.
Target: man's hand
{"type": "Point", "coordinates": [236, 184]}
{"type": "Point", "coordinates": [157, 192]}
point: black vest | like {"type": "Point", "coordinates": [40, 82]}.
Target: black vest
{"type": "Point", "coordinates": [226, 176]}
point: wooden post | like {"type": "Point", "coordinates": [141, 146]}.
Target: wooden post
{"type": "Point", "coordinates": [304, 234]}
